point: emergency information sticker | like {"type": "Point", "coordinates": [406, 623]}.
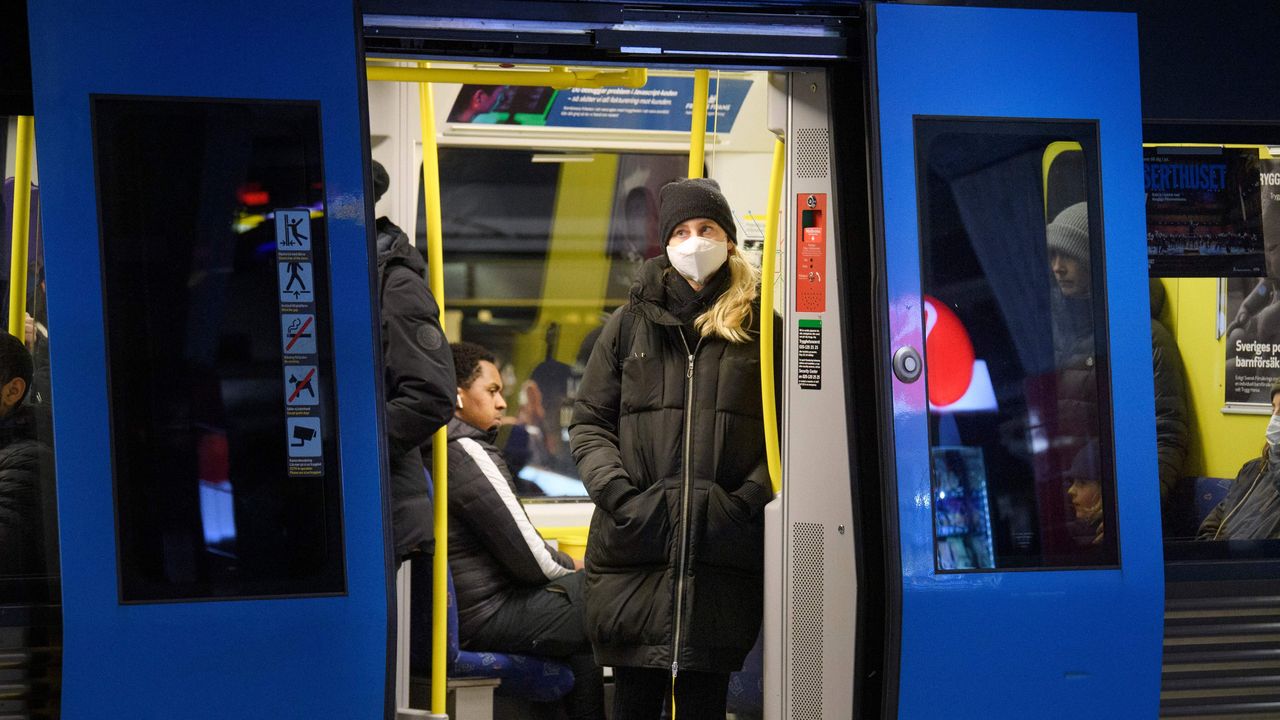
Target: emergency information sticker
{"type": "Point", "coordinates": [809, 355]}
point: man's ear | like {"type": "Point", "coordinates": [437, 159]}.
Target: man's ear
{"type": "Point", "coordinates": [12, 392]}
{"type": "Point", "coordinates": [457, 403]}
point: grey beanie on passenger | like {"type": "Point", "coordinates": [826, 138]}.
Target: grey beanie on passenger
{"type": "Point", "coordinates": [1069, 232]}
{"type": "Point", "coordinates": [693, 198]}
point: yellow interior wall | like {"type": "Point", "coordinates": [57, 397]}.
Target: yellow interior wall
{"type": "Point", "coordinates": [577, 270]}
{"type": "Point", "coordinates": [1220, 442]}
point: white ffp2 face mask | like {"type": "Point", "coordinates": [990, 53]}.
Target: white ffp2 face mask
{"type": "Point", "coordinates": [698, 258]}
{"type": "Point", "coordinates": [1273, 430]}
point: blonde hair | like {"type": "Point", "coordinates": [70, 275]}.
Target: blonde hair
{"type": "Point", "coordinates": [731, 316]}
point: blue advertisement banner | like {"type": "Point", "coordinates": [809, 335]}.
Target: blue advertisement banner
{"type": "Point", "coordinates": [663, 104]}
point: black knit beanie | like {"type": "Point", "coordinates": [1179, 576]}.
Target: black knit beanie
{"type": "Point", "coordinates": [693, 198]}
{"type": "Point", "coordinates": [381, 180]}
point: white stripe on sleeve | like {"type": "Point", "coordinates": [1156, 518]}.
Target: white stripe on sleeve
{"type": "Point", "coordinates": [537, 547]}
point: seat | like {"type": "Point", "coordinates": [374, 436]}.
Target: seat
{"type": "Point", "coordinates": [1190, 501]}
{"type": "Point", "coordinates": [526, 677]}
{"type": "Point", "coordinates": [746, 687]}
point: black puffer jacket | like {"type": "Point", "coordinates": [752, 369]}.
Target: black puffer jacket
{"type": "Point", "coordinates": [420, 382]}
{"type": "Point", "coordinates": [1077, 373]}
{"type": "Point", "coordinates": [672, 453]}
{"type": "Point", "coordinates": [1172, 428]}
{"type": "Point", "coordinates": [494, 550]}
{"type": "Point", "coordinates": [27, 532]}
{"type": "Point", "coordinates": [1251, 509]}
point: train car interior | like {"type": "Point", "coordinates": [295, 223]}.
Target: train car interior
{"type": "Point", "coordinates": [988, 503]}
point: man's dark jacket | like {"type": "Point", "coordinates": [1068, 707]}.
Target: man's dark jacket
{"type": "Point", "coordinates": [419, 379]}
{"type": "Point", "coordinates": [27, 532]}
{"type": "Point", "coordinates": [1251, 509]}
{"type": "Point", "coordinates": [1172, 426]}
{"type": "Point", "coordinates": [628, 437]}
{"type": "Point", "coordinates": [494, 550]}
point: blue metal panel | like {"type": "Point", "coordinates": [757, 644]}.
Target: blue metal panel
{"type": "Point", "coordinates": [305, 658]}
{"type": "Point", "coordinates": [1024, 644]}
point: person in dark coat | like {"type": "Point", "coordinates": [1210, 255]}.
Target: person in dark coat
{"type": "Point", "coordinates": [1073, 329]}
{"type": "Point", "coordinates": [1251, 509]}
{"type": "Point", "coordinates": [419, 377]}
{"type": "Point", "coordinates": [668, 434]}
{"type": "Point", "coordinates": [515, 592]}
{"type": "Point", "coordinates": [1172, 425]}
{"type": "Point", "coordinates": [26, 471]}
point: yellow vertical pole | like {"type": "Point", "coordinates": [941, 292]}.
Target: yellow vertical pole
{"type": "Point", "coordinates": [768, 271]}
{"type": "Point", "coordinates": [439, 443]}
{"type": "Point", "coordinates": [21, 228]}
{"type": "Point", "coordinates": [698, 125]}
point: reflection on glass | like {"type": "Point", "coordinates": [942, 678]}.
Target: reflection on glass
{"type": "Point", "coordinates": [223, 420]}
{"type": "Point", "coordinates": [537, 254]}
{"type": "Point", "coordinates": [1014, 322]}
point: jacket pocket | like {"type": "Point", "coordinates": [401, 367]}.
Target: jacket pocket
{"type": "Point", "coordinates": [642, 382]}
{"type": "Point", "coordinates": [636, 534]}
{"type": "Point", "coordinates": [734, 535]}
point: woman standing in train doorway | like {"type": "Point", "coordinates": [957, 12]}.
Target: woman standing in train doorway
{"type": "Point", "coordinates": [669, 439]}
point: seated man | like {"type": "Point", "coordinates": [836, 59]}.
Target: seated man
{"type": "Point", "coordinates": [515, 593]}
{"type": "Point", "coordinates": [1251, 510]}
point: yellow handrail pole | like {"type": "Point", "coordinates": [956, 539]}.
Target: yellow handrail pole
{"type": "Point", "coordinates": [439, 443]}
{"type": "Point", "coordinates": [21, 228]}
{"type": "Point", "coordinates": [768, 271]}
{"type": "Point", "coordinates": [558, 78]}
{"type": "Point", "coordinates": [698, 124]}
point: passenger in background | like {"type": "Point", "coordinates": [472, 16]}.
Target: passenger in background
{"type": "Point", "coordinates": [1073, 327]}
{"type": "Point", "coordinates": [669, 438]}
{"type": "Point", "coordinates": [515, 592]}
{"type": "Point", "coordinates": [418, 375]}
{"type": "Point", "coordinates": [1251, 509]}
{"type": "Point", "coordinates": [1085, 493]}
{"type": "Point", "coordinates": [26, 470]}
{"type": "Point", "coordinates": [1172, 426]}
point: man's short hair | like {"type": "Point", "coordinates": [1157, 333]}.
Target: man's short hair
{"type": "Point", "coordinates": [467, 357]}
{"type": "Point", "coordinates": [15, 361]}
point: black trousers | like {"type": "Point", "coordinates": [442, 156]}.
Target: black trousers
{"type": "Point", "coordinates": [643, 694]}
{"type": "Point", "coordinates": [548, 621]}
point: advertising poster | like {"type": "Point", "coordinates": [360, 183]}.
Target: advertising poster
{"type": "Point", "coordinates": [1203, 212]}
{"type": "Point", "coordinates": [663, 104]}
{"type": "Point", "coordinates": [1253, 309]}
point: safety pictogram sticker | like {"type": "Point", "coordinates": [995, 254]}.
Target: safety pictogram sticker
{"type": "Point", "coordinates": [293, 231]}
{"type": "Point", "coordinates": [295, 282]}
{"type": "Point", "coordinates": [298, 333]}
{"type": "Point", "coordinates": [304, 437]}
{"type": "Point", "coordinates": [300, 383]}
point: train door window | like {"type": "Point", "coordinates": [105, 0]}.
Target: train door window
{"type": "Point", "coordinates": [223, 422]}
{"type": "Point", "coordinates": [1016, 350]}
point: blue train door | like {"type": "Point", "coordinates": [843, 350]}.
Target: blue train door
{"type": "Point", "coordinates": [209, 285]}
{"type": "Point", "coordinates": [1011, 215]}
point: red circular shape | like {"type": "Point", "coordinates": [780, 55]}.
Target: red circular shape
{"type": "Point", "coordinates": [949, 352]}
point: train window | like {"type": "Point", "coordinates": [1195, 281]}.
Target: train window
{"type": "Point", "coordinates": [223, 421]}
{"type": "Point", "coordinates": [1016, 351]}
{"type": "Point", "coordinates": [539, 248]}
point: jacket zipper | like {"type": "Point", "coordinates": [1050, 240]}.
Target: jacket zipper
{"type": "Point", "coordinates": [684, 512]}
